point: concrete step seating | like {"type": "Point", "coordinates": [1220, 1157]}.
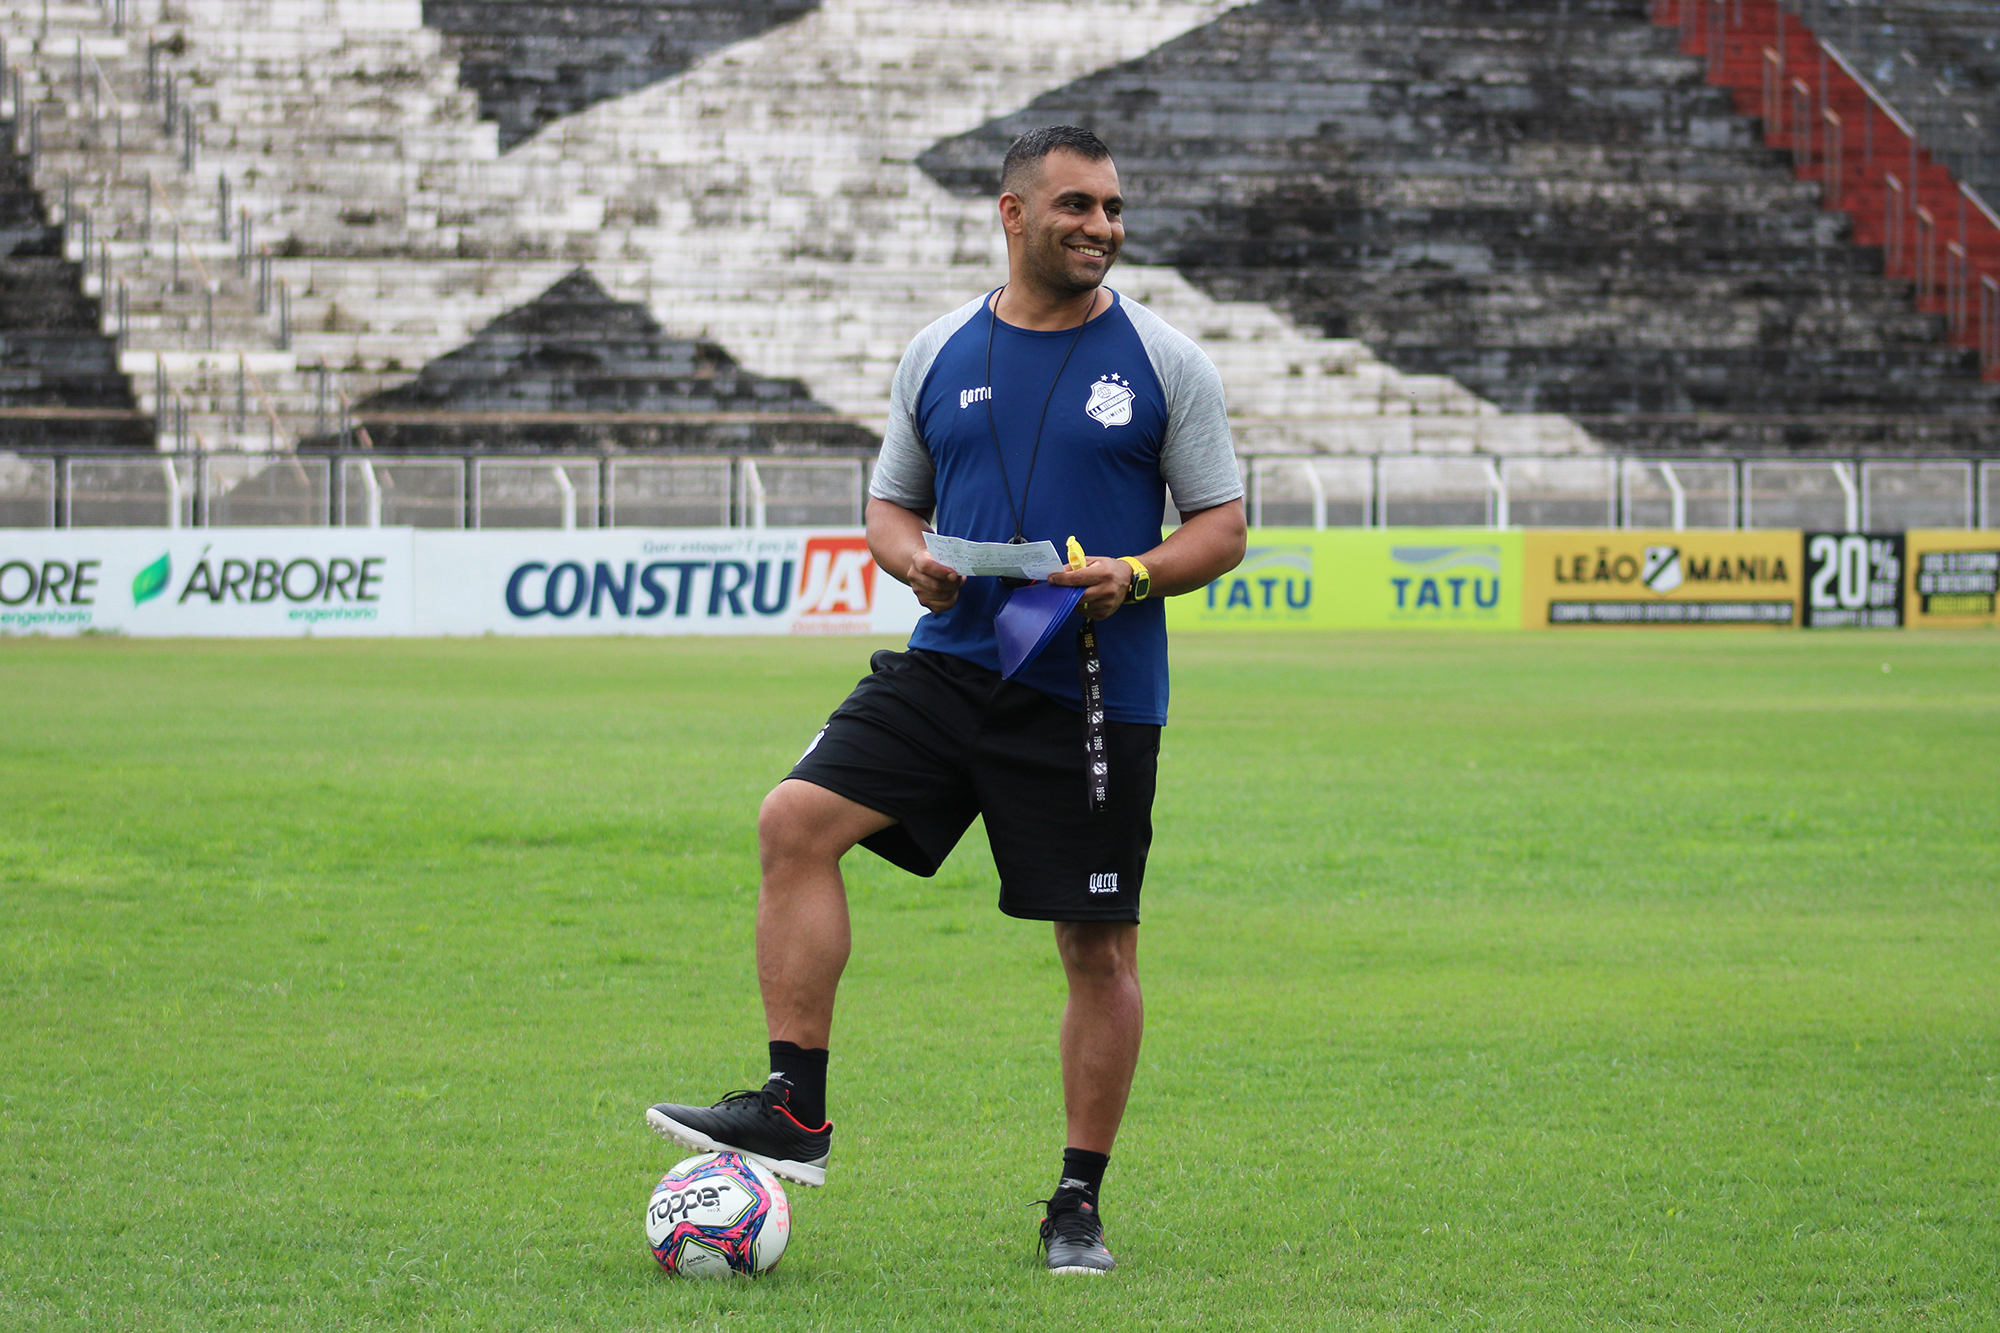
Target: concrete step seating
{"type": "Point", "coordinates": [52, 356]}
{"type": "Point", "coordinates": [533, 63]}
{"type": "Point", "coordinates": [268, 87]}
{"type": "Point", "coordinates": [1948, 42]}
{"type": "Point", "coordinates": [767, 199]}
{"type": "Point", "coordinates": [807, 172]}
{"type": "Point", "coordinates": [1903, 193]}
{"type": "Point", "coordinates": [1638, 316]}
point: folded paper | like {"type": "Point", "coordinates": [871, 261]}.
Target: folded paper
{"type": "Point", "coordinates": [1009, 560]}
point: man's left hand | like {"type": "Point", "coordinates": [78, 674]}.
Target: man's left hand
{"type": "Point", "coordinates": [1103, 581]}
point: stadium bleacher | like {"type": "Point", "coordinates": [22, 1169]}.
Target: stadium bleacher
{"type": "Point", "coordinates": [576, 368]}
{"type": "Point", "coordinates": [1539, 198]}
{"type": "Point", "coordinates": [1456, 227]}
{"type": "Point", "coordinates": [767, 200]}
{"type": "Point", "coordinates": [1938, 61]}
{"type": "Point", "coordinates": [533, 62]}
{"type": "Point", "coordinates": [54, 359]}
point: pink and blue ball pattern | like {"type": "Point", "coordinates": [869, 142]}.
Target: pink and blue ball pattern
{"type": "Point", "coordinates": [733, 1234]}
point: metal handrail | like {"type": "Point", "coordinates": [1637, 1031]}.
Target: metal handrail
{"type": "Point", "coordinates": [98, 95]}
{"type": "Point", "coordinates": [1936, 127]}
{"type": "Point", "coordinates": [349, 421]}
{"type": "Point", "coordinates": [1915, 213]}
{"type": "Point", "coordinates": [183, 425]}
{"type": "Point", "coordinates": [103, 82]}
{"type": "Point", "coordinates": [1881, 104]}
{"type": "Point", "coordinates": [263, 399]}
{"type": "Point", "coordinates": [173, 219]}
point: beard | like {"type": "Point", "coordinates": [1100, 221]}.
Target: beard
{"type": "Point", "coordinates": [1048, 265]}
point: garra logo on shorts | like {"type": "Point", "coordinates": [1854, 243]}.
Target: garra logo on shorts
{"type": "Point", "coordinates": [1107, 883]}
{"type": "Point", "coordinates": [1110, 401]}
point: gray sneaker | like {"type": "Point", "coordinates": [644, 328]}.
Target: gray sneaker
{"type": "Point", "coordinates": [1073, 1236]}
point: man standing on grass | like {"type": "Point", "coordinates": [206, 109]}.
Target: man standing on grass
{"type": "Point", "coordinates": [1048, 409]}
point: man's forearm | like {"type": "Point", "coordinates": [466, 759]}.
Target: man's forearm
{"type": "Point", "coordinates": [895, 535]}
{"type": "Point", "coordinates": [896, 540]}
{"type": "Point", "coordinates": [1201, 550]}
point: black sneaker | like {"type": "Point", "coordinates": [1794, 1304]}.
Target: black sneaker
{"type": "Point", "coordinates": [756, 1124]}
{"type": "Point", "coordinates": [1073, 1236]}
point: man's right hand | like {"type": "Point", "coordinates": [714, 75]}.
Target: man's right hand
{"type": "Point", "coordinates": [935, 585]}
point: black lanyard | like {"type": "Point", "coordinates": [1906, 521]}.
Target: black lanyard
{"type": "Point", "coordinates": [1020, 511]}
{"type": "Point", "coordinates": [1096, 761]}
{"type": "Point", "coordinates": [1090, 668]}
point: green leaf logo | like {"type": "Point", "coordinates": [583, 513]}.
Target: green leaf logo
{"type": "Point", "coordinates": [151, 581]}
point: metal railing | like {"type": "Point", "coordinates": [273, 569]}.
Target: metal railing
{"type": "Point", "coordinates": [366, 488]}
{"type": "Point", "coordinates": [102, 202]}
{"type": "Point", "coordinates": [1919, 144]}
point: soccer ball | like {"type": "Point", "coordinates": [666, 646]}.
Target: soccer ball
{"type": "Point", "coordinates": [718, 1214]}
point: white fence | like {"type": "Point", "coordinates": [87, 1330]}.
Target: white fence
{"type": "Point", "coordinates": [1583, 492]}
{"type": "Point", "coordinates": [431, 492]}
{"type": "Point", "coordinates": [402, 492]}
{"type": "Point", "coordinates": [27, 492]}
{"type": "Point", "coordinates": [585, 493]}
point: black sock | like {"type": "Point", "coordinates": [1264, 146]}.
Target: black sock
{"type": "Point", "coordinates": [1082, 1173]}
{"type": "Point", "coordinates": [803, 1073]}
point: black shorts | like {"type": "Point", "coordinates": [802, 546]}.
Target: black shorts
{"type": "Point", "coordinates": [932, 740]}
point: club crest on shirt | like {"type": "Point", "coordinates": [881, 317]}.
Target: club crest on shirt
{"type": "Point", "coordinates": [1110, 401]}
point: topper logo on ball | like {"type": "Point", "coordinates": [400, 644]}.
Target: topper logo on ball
{"type": "Point", "coordinates": [680, 1204]}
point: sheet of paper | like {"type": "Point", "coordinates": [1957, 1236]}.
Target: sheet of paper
{"type": "Point", "coordinates": [1029, 560]}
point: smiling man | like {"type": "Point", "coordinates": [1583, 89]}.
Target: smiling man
{"type": "Point", "coordinates": [1049, 408]}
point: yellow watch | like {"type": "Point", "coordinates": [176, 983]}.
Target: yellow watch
{"type": "Point", "coordinates": [1142, 581]}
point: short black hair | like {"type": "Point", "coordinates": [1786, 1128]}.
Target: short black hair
{"type": "Point", "coordinates": [1024, 157]}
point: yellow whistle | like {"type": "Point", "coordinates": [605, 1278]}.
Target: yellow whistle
{"type": "Point", "coordinates": [1076, 555]}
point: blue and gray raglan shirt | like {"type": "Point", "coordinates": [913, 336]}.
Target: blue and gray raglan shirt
{"type": "Point", "coordinates": [1138, 411]}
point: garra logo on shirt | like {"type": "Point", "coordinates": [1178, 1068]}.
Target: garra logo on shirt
{"type": "Point", "coordinates": [1110, 401]}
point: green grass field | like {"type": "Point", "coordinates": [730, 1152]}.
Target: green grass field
{"type": "Point", "coordinates": [1620, 980]}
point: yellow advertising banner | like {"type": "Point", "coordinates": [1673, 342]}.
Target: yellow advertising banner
{"type": "Point", "coordinates": [1482, 578]}
{"type": "Point", "coordinates": [1364, 578]}
{"type": "Point", "coordinates": [1640, 577]}
{"type": "Point", "coordinates": [1954, 578]}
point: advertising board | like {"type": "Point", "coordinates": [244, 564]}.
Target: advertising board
{"type": "Point", "coordinates": [645, 581]}
{"type": "Point", "coordinates": [1361, 578]}
{"type": "Point", "coordinates": [1953, 578]}
{"type": "Point", "coordinates": [377, 581]}
{"type": "Point", "coordinates": [1854, 580]}
{"type": "Point", "coordinates": [250, 582]}
{"type": "Point", "coordinates": [1641, 577]}
{"type": "Point", "coordinates": [278, 581]}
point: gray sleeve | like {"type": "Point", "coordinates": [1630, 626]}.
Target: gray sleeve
{"type": "Point", "coordinates": [1198, 457]}
{"type": "Point", "coordinates": [904, 474]}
